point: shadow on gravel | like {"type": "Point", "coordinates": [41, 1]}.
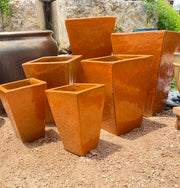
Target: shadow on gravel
{"type": "Point", "coordinates": [103, 150]}
{"type": "Point", "coordinates": [2, 122]}
{"type": "Point", "coordinates": [51, 136]}
{"type": "Point", "coordinates": [146, 127]}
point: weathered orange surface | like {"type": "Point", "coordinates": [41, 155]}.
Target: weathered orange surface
{"type": "Point", "coordinates": [161, 44]}
{"type": "Point", "coordinates": [90, 37]}
{"type": "Point", "coordinates": [176, 65]}
{"type": "Point", "coordinates": [24, 102]}
{"type": "Point", "coordinates": [56, 71]}
{"type": "Point", "coordinates": [127, 82]}
{"type": "Point", "coordinates": [77, 110]}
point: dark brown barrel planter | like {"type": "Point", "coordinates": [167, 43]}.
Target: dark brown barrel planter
{"type": "Point", "coordinates": [161, 44]}
{"type": "Point", "coordinates": [127, 82]}
{"type": "Point", "coordinates": [24, 102]}
{"type": "Point", "coordinates": [19, 47]}
{"type": "Point", "coordinates": [77, 110]}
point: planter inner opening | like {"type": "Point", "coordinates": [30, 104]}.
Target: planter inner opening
{"type": "Point", "coordinates": [115, 58]}
{"type": "Point", "coordinates": [74, 88]}
{"type": "Point", "coordinates": [52, 59]}
{"type": "Point", "coordinates": [19, 84]}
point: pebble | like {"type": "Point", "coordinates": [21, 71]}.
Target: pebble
{"type": "Point", "coordinates": [173, 100]}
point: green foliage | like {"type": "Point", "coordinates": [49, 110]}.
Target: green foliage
{"type": "Point", "coordinates": [149, 6]}
{"type": "Point", "coordinates": [4, 7]}
{"type": "Point", "coordinates": [173, 85]}
{"type": "Point", "coordinates": [168, 18]}
{"type": "Point", "coordinates": [116, 28]}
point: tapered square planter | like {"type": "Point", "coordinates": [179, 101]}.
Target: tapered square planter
{"type": "Point", "coordinates": [90, 37]}
{"type": "Point", "coordinates": [161, 44]}
{"type": "Point", "coordinates": [77, 110]}
{"type": "Point", "coordinates": [56, 71]}
{"type": "Point", "coordinates": [24, 102]}
{"type": "Point", "coordinates": [127, 82]}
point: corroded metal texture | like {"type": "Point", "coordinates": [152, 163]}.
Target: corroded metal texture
{"type": "Point", "coordinates": [77, 110]}
{"type": "Point", "coordinates": [127, 82]}
{"type": "Point", "coordinates": [56, 71]}
{"type": "Point", "coordinates": [90, 37]}
{"type": "Point", "coordinates": [19, 47]}
{"type": "Point", "coordinates": [24, 102]}
{"type": "Point", "coordinates": [161, 44]}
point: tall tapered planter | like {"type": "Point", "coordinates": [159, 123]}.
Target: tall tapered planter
{"type": "Point", "coordinates": [24, 102]}
{"type": "Point", "coordinates": [56, 71]}
{"type": "Point", "coordinates": [77, 110]}
{"type": "Point", "coordinates": [90, 37]}
{"type": "Point", "coordinates": [161, 44]}
{"type": "Point", "coordinates": [127, 82]}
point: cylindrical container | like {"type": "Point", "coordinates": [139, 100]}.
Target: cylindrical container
{"type": "Point", "coordinates": [19, 47]}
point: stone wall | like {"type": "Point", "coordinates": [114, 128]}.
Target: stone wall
{"type": "Point", "coordinates": [29, 15]}
{"type": "Point", "coordinates": [130, 15]}
{"type": "Point", "coordinates": [25, 15]}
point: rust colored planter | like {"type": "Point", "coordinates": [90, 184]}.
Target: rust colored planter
{"type": "Point", "coordinates": [127, 79]}
{"type": "Point", "coordinates": [90, 37]}
{"type": "Point", "coordinates": [77, 110]}
{"type": "Point", "coordinates": [176, 65]}
{"type": "Point", "coordinates": [161, 44]}
{"type": "Point", "coordinates": [24, 102]}
{"type": "Point", "coordinates": [56, 71]}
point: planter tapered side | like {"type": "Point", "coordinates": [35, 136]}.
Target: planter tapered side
{"type": "Point", "coordinates": [126, 91]}
{"type": "Point", "coordinates": [56, 71]}
{"type": "Point", "coordinates": [77, 110]}
{"type": "Point", "coordinates": [161, 44]}
{"type": "Point", "coordinates": [24, 102]}
{"type": "Point", "coordinates": [90, 37]}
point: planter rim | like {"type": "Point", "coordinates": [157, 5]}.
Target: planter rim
{"type": "Point", "coordinates": [89, 18]}
{"type": "Point", "coordinates": [176, 53]}
{"type": "Point", "coordinates": [94, 86]}
{"type": "Point", "coordinates": [37, 82]}
{"type": "Point", "coordinates": [37, 62]}
{"type": "Point", "coordinates": [25, 33]}
{"type": "Point", "coordinates": [144, 32]}
{"type": "Point", "coordinates": [131, 57]}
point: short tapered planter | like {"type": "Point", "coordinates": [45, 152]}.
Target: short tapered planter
{"type": "Point", "coordinates": [24, 102]}
{"type": "Point", "coordinates": [77, 110]}
{"type": "Point", "coordinates": [127, 82]}
{"type": "Point", "coordinates": [90, 37]}
{"type": "Point", "coordinates": [161, 44]}
{"type": "Point", "coordinates": [56, 71]}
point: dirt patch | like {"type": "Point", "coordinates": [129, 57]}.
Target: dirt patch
{"type": "Point", "coordinates": [148, 156]}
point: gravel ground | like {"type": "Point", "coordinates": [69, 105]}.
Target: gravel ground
{"type": "Point", "coordinates": [146, 157]}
